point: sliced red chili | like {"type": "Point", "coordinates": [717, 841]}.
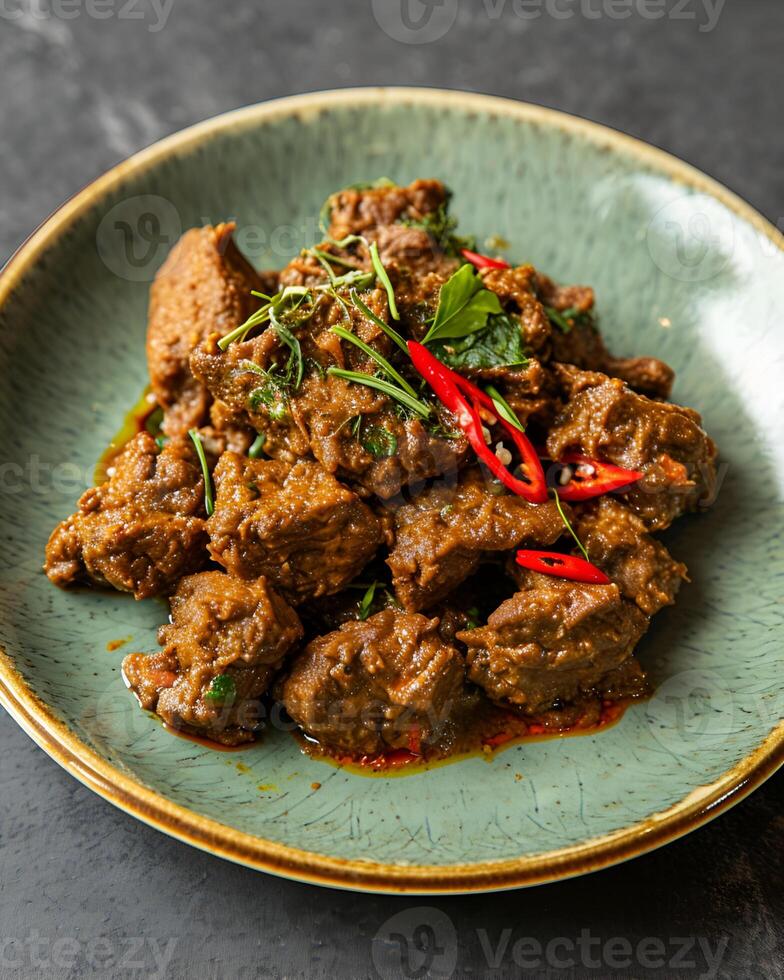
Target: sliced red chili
{"type": "Point", "coordinates": [592, 478]}
{"type": "Point", "coordinates": [562, 566]}
{"type": "Point", "coordinates": [463, 399]}
{"type": "Point", "coordinates": [483, 261]}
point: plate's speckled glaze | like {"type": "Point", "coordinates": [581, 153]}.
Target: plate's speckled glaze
{"type": "Point", "coordinates": [682, 269]}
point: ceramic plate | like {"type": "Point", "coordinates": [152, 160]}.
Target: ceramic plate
{"type": "Point", "coordinates": [683, 270]}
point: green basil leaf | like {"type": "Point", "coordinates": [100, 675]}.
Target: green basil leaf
{"type": "Point", "coordinates": [463, 306]}
{"type": "Point", "coordinates": [500, 344]}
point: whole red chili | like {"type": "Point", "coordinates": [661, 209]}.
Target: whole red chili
{"type": "Point", "coordinates": [562, 566]}
{"type": "Point", "coordinates": [483, 261]}
{"type": "Point", "coordinates": [463, 399]}
{"type": "Point", "coordinates": [592, 478]}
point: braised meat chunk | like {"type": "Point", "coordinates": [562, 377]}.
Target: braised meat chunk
{"type": "Point", "coordinates": [309, 534]}
{"type": "Point", "coordinates": [388, 682]}
{"type": "Point", "coordinates": [555, 641]}
{"type": "Point", "coordinates": [226, 640]}
{"type": "Point", "coordinates": [605, 419]}
{"type": "Point", "coordinates": [354, 431]}
{"type": "Point", "coordinates": [641, 567]}
{"type": "Point", "coordinates": [142, 530]}
{"type": "Point", "coordinates": [203, 286]}
{"type": "Point", "coordinates": [442, 535]}
{"type": "Point", "coordinates": [362, 210]}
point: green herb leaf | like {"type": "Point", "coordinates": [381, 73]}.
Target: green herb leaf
{"type": "Point", "coordinates": [474, 618]}
{"type": "Point", "coordinates": [154, 421]}
{"type": "Point", "coordinates": [565, 320]}
{"type": "Point", "coordinates": [382, 362]}
{"type": "Point", "coordinates": [257, 448]}
{"type": "Point", "coordinates": [441, 226]}
{"type": "Point", "coordinates": [500, 344]}
{"type": "Point", "coordinates": [379, 442]}
{"type": "Point", "coordinates": [568, 526]}
{"type": "Point", "coordinates": [389, 331]}
{"type": "Point", "coordinates": [463, 306]}
{"type": "Point", "coordinates": [366, 602]}
{"type": "Point", "coordinates": [209, 505]}
{"type": "Point", "coordinates": [503, 408]}
{"type": "Point", "coordinates": [403, 397]}
{"type": "Point", "coordinates": [383, 278]}
{"type": "Point", "coordinates": [222, 689]}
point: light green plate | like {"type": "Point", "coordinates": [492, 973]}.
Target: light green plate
{"type": "Point", "coordinates": [683, 270]}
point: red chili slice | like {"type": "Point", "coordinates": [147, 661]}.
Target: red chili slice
{"type": "Point", "coordinates": [604, 478]}
{"type": "Point", "coordinates": [463, 399]}
{"type": "Point", "coordinates": [562, 566]}
{"type": "Point", "coordinates": [483, 261]}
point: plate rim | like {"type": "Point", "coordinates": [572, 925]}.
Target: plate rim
{"type": "Point", "coordinates": [36, 718]}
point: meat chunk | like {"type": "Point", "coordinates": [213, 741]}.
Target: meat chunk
{"type": "Point", "coordinates": [226, 640]}
{"type": "Point", "coordinates": [203, 286]}
{"type": "Point", "coordinates": [309, 534]}
{"type": "Point", "coordinates": [554, 641]}
{"type": "Point", "coordinates": [641, 567]}
{"type": "Point", "coordinates": [328, 417]}
{"type": "Point", "coordinates": [605, 419]}
{"type": "Point", "coordinates": [142, 530]}
{"type": "Point", "coordinates": [442, 535]}
{"type": "Point", "coordinates": [388, 682]}
{"type": "Point", "coordinates": [582, 345]}
{"type": "Point", "coordinates": [360, 211]}
{"type": "Point", "coordinates": [516, 288]}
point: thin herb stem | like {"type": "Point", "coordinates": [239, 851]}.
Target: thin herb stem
{"type": "Point", "coordinates": [209, 504]}
{"type": "Point", "coordinates": [383, 278]}
{"type": "Point", "coordinates": [389, 331]}
{"type": "Point", "coordinates": [382, 362]}
{"type": "Point", "coordinates": [414, 404]}
{"type": "Point", "coordinates": [568, 526]}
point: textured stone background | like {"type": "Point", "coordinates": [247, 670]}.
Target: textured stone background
{"type": "Point", "coordinates": [85, 890]}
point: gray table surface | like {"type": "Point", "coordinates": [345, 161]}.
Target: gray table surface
{"type": "Point", "coordinates": [84, 889]}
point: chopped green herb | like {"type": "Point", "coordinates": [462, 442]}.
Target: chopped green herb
{"type": "Point", "coordinates": [296, 365]}
{"type": "Point", "coordinates": [382, 362]}
{"type": "Point", "coordinates": [276, 303]}
{"type": "Point", "coordinates": [503, 408]}
{"type": "Point", "coordinates": [473, 617]}
{"type": "Point", "coordinates": [209, 506]}
{"type": "Point", "coordinates": [379, 442]}
{"type": "Point", "coordinates": [154, 421]}
{"type": "Point", "coordinates": [500, 344]}
{"type": "Point", "coordinates": [222, 689]}
{"type": "Point", "coordinates": [161, 441]}
{"type": "Point", "coordinates": [383, 278]}
{"type": "Point", "coordinates": [257, 447]}
{"type": "Point", "coordinates": [389, 331]}
{"type": "Point", "coordinates": [366, 602]}
{"type": "Point", "coordinates": [568, 526]}
{"type": "Point", "coordinates": [567, 319]}
{"type": "Point", "coordinates": [464, 306]}
{"type": "Point", "coordinates": [331, 259]}
{"type": "Point", "coordinates": [441, 226]}
{"type": "Point", "coordinates": [371, 381]}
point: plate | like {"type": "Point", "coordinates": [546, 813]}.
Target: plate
{"type": "Point", "coordinates": [683, 270]}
